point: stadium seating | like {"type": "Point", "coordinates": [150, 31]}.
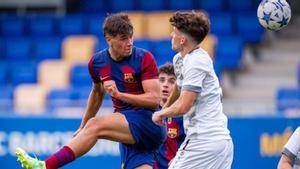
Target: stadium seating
{"type": "Point", "coordinates": [94, 6]}
{"type": "Point", "coordinates": [211, 6]}
{"type": "Point", "coordinates": [47, 48]}
{"type": "Point", "coordinates": [41, 26]}
{"type": "Point", "coordinates": [78, 49]}
{"type": "Point", "coordinates": [288, 99]}
{"type": "Point", "coordinates": [153, 5]}
{"type": "Point", "coordinates": [69, 41]}
{"type": "Point", "coordinates": [298, 75]}
{"type": "Point", "coordinates": [71, 25]}
{"type": "Point", "coordinates": [241, 5]}
{"type": "Point", "coordinates": [222, 24]}
{"type": "Point", "coordinates": [24, 46]}
{"type": "Point", "coordinates": [229, 52]}
{"type": "Point", "coordinates": [23, 72]}
{"type": "Point", "coordinates": [3, 74]}
{"type": "Point", "coordinates": [248, 28]}
{"type": "Point", "coordinates": [180, 4]}
{"type": "Point", "coordinates": [162, 51]}
{"type": "Point", "coordinates": [37, 102]}
{"type": "Point", "coordinates": [143, 43]}
{"type": "Point", "coordinates": [209, 44]}
{"type": "Point", "coordinates": [54, 74]}
{"type": "Point", "coordinates": [79, 76]}
{"type": "Point", "coordinates": [2, 54]}
{"type": "Point", "coordinates": [101, 44]}
{"type": "Point", "coordinates": [158, 26]}
{"type": "Point", "coordinates": [60, 98]}
{"type": "Point", "coordinates": [12, 26]}
{"type": "Point", "coordinates": [121, 5]}
{"type": "Point", "coordinates": [6, 99]}
{"type": "Point", "coordinates": [95, 25]}
{"type": "Point", "coordinates": [138, 22]}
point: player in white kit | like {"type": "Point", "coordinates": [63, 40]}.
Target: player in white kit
{"type": "Point", "coordinates": [208, 144]}
{"type": "Point", "coordinates": [291, 152]}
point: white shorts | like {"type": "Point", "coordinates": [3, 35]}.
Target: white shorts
{"type": "Point", "coordinates": [194, 154]}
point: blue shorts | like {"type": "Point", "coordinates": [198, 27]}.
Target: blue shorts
{"type": "Point", "coordinates": [148, 138]}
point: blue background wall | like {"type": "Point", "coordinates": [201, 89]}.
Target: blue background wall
{"type": "Point", "coordinates": [257, 141]}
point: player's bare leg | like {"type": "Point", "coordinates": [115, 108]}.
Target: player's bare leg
{"type": "Point", "coordinates": [144, 166]}
{"type": "Point", "coordinates": [112, 127]}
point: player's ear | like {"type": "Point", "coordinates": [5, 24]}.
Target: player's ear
{"type": "Point", "coordinates": [182, 40]}
{"type": "Point", "coordinates": [108, 39]}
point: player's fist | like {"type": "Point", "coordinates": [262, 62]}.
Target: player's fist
{"type": "Point", "coordinates": [157, 119]}
{"type": "Point", "coordinates": [111, 88]}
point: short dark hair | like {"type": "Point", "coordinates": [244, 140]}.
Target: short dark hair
{"type": "Point", "coordinates": [167, 68]}
{"type": "Point", "coordinates": [117, 24]}
{"type": "Point", "coordinates": [195, 24]}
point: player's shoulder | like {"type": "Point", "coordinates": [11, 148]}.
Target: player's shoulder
{"type": "Point", "coordinates": [100, 56]}
{"type": "Point", "coordinates": [140, 52]}
{"type": "Point", "coordinates": [199, 56]}
{"type": "Point", "coordinates": [177, 57]}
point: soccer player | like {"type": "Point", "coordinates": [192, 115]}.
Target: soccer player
{"type": "Point", "coordinates": [175, 132]}
{"type": "Point", "coordinates": [208, 144]}
{"type": "Point", "coordinates": [130, 76]}
{"type": "Point", "coordinates": [291, 152]}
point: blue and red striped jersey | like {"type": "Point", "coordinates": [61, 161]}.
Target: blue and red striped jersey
{"type": "Point", "coordinates": [175, 137]}
{"type": "Point", "coordinates": [128, 73]}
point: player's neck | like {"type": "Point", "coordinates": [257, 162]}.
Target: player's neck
{"type": "Point", "coordinates": [114, 55]}
{"type": "Point", "coordinates": [189, 48]}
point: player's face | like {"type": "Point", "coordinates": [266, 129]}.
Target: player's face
{"type": "Point", "coordinates": [121, 45]}
{"type": "Point", "coordinates": [177, 39]}
{"type": "Point", "coordinates": [166, 84]}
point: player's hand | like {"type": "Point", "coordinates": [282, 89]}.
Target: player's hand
{"type": "Point", "coordinates": [157, 119]}
{"type": "Point", "coordinates": [111, 88]}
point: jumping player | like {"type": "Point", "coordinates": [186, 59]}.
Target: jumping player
{"type": "Point", "coordinates": [130, 76]}
{"type": "Point", "coordinates": [175, 132]}
{"type": "Point", "coordinates": [208, 144]}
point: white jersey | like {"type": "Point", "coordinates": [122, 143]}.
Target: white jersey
{"type": "Point", "coordinates": [205, 120]}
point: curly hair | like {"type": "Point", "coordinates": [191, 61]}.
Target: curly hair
{"type": "Point", "coordinates": [167, 68]}
{"type": "Point", "coordinates": [117, 24]}
{"type": "Point", "coordinates": [195, 24]}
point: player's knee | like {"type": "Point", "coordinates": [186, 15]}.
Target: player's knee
{"type": "Point", "coordinates": [92, 125]}
{"type": "Point", "coordinates": [95, 125]}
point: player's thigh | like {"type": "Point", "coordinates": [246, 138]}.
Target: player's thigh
{"type": "Point", "coordinates": [113, 127]}
{"type": "Point", "coordinates": [144, 166]}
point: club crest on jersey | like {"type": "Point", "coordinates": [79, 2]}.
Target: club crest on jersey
{"type": "Point", "coordinates": [172, 132]}
{"type": "Point", "coordinates": [128, 77]}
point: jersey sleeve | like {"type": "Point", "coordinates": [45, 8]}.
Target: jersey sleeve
{"type": "Point", "coordinates": [93, 72]}
{"type": "Point", "coordinates": [149, 68]}
{"type": "Point", "coordinates": [292, 147]}
{"type": "Point", "coordinates": [194, 72]}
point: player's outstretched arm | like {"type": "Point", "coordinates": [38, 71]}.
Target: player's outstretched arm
{"type": "Point", "coordinates": [173, 97]}
{"type": "Point", "coordinates": [150, 97]}
{"type": "Point", "coordinates": [181, 106]}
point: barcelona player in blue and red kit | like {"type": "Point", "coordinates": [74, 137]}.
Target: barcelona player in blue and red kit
{"type": "Point", "coordinates": [175, 131]}
{"type": "Point", "coordinates": [130, 76]}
